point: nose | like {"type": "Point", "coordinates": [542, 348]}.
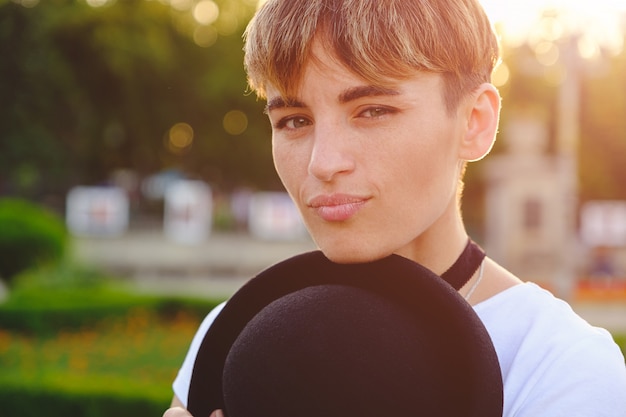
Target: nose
{"type": "Point", "coordinates": [332, 153]}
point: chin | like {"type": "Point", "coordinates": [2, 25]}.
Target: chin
{"type": "Point", "coordinates": [349, 254]}
{"type": "Point", "coordinates": [345, 245]}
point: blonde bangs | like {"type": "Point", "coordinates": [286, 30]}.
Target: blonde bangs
{"type": "Point", "coordinates": [277, 44]}
{"type": "Point", "coordinates": [378, 40]}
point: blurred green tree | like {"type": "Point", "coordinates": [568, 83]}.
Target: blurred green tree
{"type": "Point", "coordinates": [603, 141]}
{"type": "Point", "coordinates": [30, 236]}
{"type": "Point", "coordinates": [89, 90]}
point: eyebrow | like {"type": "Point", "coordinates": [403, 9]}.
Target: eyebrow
{"type": "Point", "coordinates": [279, 102]}
{"type": "Point", "coordinates": [356, 93]}
{"type": "Point", "coordinates": [346, 96]}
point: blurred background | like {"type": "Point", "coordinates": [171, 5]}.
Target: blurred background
{"type": "Point", "coordinates": [137, 188]}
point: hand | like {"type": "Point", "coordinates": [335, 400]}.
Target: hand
{"type": "Point", "coordinates": [181, 412]}
{"type": "Point", "coordinates": [177, 412]}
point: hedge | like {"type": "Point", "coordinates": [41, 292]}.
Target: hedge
{"type": "Point", "coordinates": [30, 235]}
{"type": "Point", "coordinates": [37, 401]}
{"type": "Point", "coordinates": [68, 296]}
{"type": "Point", "coordinates": [50, 312]}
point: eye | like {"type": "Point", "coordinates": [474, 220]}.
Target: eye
{"type": "Point", "coordinates": [374, 112]}
{"type": "Point", "coordinates": [293, 122]}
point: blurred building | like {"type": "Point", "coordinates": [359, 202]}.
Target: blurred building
{"type": "Point", "coordinates": [534, 225]}
{"type": "Point", "coordinates": [531, 206]}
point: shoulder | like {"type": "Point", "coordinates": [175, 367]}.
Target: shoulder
{"type": "Point", "coordinates": [526, 315]}
{"type": "Point", "coordinates": [183, 378]}
{"type": "Point", "coordinates": [520, 311]}
{"type": "Point", "coordinates": [553, 362]}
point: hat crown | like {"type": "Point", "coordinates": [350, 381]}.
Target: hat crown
{"type": "Point", "coordinates": [309, 337]}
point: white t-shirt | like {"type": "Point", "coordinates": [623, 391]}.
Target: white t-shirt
{"type": "Point", "coordinates": [553, 362]}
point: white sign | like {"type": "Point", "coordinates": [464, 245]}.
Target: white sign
{"type": "Point", "coordinates": [274, 216]}
{"type": "Point", "coordinates": [603, 223]}
{"type": "Point", "coordinates": [97, 211]}
{"type": "Point", "coordinates": [188, 213]}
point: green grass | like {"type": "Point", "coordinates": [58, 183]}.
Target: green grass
{"type": "Point", "coordinates": [140, 353]}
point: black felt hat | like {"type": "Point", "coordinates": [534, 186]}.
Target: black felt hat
{"type": "Point", "coordinates": [311, 338]}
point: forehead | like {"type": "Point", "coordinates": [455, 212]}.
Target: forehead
{"type": "Point", "coordinates": [323, 68]}
{"type": "Point", "coordinates": [323, 63]}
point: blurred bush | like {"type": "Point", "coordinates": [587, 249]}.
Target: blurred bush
{"type": "Point", "coordinates": [29, 236]}
{"type": "Point", "coordinates": [75, 342]}
{"type": "Point", "coordinates": [47, 299]}
{"type": "Point", "coordinates": [33, 401]}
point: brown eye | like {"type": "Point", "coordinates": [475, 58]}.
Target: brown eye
{"type": "Point", "coordinates": [292, 123]}
{"type": "Point", "coordinates": [297, 122]}
{"type": "Point", "coordinates": [373, 112]}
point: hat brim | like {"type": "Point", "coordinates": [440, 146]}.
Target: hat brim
{"type": "Point", "coordinates": [465, 341]}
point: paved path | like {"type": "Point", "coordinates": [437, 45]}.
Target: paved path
{"type": "Point", "coordinates": [218, 267]}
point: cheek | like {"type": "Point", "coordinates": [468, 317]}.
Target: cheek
{"type": "Point", "coordinates": [279, 160]}
{"type": "Point", "coordinates": [287, 163]}
{"type": "Point", "coordinates": [427, 168]}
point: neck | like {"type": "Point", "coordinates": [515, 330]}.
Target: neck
{"type": "Point", "coordinates": [440, 245]}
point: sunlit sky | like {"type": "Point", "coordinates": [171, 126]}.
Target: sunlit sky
{"type": "Point", "coordinates": [599, 22]}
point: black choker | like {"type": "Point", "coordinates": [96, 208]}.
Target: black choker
{"type": "Point", "coordinates": [465, 266]}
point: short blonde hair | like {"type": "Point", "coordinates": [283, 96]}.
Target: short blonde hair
{"type": "Point", "coordinates": [379, 40]}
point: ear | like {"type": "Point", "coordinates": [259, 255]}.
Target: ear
{"type": "Point", "coordinates": [482, 116]}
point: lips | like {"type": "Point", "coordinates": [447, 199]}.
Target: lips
{"type": "Point", "coordinates": [337, 207]}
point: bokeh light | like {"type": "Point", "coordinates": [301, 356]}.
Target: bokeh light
{"type": "Point", "coordinates": [205, 36]}
{"type": "Point", "coordinates": [206, 12]}
{"type": "Point", "coordinates": [179, 138]}
{"type": "Point", "coordinates": [228, 24]}
{"type": "Point", "coordinates": [235, 122]}
{"type": "Point", "coordinates": [547, 53]}
{"type": "Point", "coordinates": [501, 75]}
{"type": "Point", "coordinates": [182, 5]}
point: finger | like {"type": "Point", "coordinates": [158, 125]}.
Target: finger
{"type": "Point", "coordinates": [217, 413]}
{"type": "Point", "coordinates": [176, 412]}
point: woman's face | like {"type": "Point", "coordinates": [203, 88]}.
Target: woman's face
{"type": "Point", "coordinates": [373, 170]}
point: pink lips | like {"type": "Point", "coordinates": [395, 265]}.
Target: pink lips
{"type": "Point", "coordinates": [337, 207]}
